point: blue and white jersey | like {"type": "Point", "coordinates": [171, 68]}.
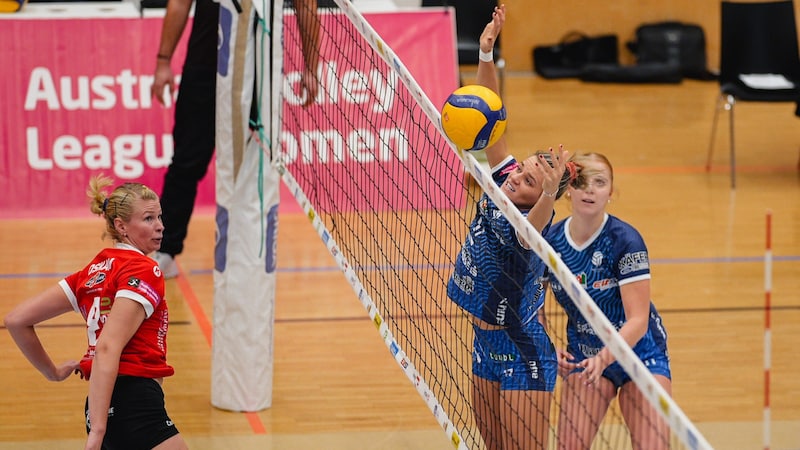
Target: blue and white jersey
{"type": "Point", "coordinates": [614, 256]}
{"type": "Point", "coordinates": [495, 278]}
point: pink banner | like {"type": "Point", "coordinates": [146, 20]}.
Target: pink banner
{"type": "Point", "coordinates": [365, 124]}
{"type": "Point", "coordinates": [76, 101]}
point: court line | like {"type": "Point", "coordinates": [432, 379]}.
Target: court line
{"type": "Point", "coordinates": [359, 318]}
{"type": "Point", "coordinates": [717, 169]}
{"type": "Point", "coordinates": [703, 260]}
{"type": "Point", "coordinates": [700, 260]}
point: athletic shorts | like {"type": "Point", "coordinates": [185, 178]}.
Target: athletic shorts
{"type": "Point", "coordinates": [137, 418]}
{"type": "Point", "coordinates": [497, 358]}
{"type": "Point", "coordinates": [618, 376]}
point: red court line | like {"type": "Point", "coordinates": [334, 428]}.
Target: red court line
{"type": "Point", "coordinates": [205, 326]}
{"type": "Point", "coordinates": [635, 170]}
{"type": "Point", "coordinates": [194, 305]}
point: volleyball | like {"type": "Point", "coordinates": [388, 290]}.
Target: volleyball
{"type": "Point", "coordinates": [473, 117]}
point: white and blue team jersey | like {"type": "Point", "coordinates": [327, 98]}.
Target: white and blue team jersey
{"type": "Point", "coordinates": [495, 278]}
{"type": "Point", "coordinates": [614, 256]}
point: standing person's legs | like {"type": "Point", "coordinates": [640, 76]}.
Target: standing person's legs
{"type": "Point", "coordinates": [486, 407]}
{"type": "Point", "coordinates": [648, 430]}
{"type": "Point", "coordinates": [137, 417]}
{"type": "Point", "coordinates": [583, 407]}
{"type": "Point", "coordinates": [195, 113]}
{"type": "Point", "coordinates": [486, 388]}
{"type": "Point", "coordinates": [526, 419]}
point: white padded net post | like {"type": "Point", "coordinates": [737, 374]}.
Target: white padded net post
{"type": "Point", "coordinates": [246, 218]}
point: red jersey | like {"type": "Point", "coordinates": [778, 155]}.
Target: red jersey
{"type": "Point", "coordinates": [123, 271]}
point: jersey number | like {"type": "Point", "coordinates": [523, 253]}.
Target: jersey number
{"type": "Point", "coordinates": [93, 322]}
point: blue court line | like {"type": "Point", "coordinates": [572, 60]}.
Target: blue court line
{"type": "Point", "coordinates": [712, 260]}
{"type": "Point", "coordinates": [709, 260]}
{"type": "Point", "coordinates": [361, 318]}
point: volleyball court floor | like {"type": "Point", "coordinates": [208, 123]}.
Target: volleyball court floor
{"type": "Point", "coordinates": [336, 385]}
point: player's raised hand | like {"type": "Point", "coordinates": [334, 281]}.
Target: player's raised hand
{"type": "Point", "coordinates": [492, 29]}
{"type": "Point", "coordinates": [550, 174]}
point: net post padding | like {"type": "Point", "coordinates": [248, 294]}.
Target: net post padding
{"type": "Point", "coordinates": [246, 221]}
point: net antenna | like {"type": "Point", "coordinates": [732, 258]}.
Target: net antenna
{"type": "Point", "coordinates": [373, 173]}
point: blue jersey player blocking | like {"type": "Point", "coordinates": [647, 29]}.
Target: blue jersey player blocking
{"type": "Point", "coordinates": [610, 259]}
{"type": "Point", "coordinates": [498, 282]}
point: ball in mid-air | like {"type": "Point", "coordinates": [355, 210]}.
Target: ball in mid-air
{"type": "Point", "coordinates": [473, 117]}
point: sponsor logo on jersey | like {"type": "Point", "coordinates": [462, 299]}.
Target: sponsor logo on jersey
{"type": "Point", "coordinates": [588, 351]}
{"type": "Point", "coordinates": [581, 278]}
{"type": "Point", "coordinates": [104, 266]}
{"type": "Point", "coordinates": [534, 369]}
{"type": "Point", "coordinates": [145, 289]}
{"type": "Point", "coordinates": [633, 262]}
{"type": "Point", "coordinates": [96, 279]}
{"type": "Point", "coordinates": [584, 328]}
{"type": "Point", "coordinates": [466, 259]}
{"type": "Point", "coordinates": [465, 283]}
{"type": "Point", "coordinates": [597, 259]}
{"type": "Point", "coordinates": [503, 357]}
{"type": "Point", "coordinates": [606, 283]}
{"type": "Point", "coordinates": [500, 315]}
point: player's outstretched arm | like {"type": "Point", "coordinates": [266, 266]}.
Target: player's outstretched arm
{"type": "Point", "coordinates": [487, 76]}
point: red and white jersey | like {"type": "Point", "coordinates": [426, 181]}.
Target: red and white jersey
{"type": "Point", "coordinates": [123, 271]}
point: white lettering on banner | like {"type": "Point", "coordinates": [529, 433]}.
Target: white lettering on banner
{"type": "Point", "coordinates": [101, 92]}
{"type": "Point", "coordinates": [352, 86]}
{"type": "Point", "coordinates": [360, 145]}
{"type": "Point", "coordinates": [98, 152]}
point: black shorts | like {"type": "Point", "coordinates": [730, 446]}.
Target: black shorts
{"type": "Point", "coordinates": [137, 418]}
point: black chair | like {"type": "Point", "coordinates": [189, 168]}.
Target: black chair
{"type": "Point", "coordinates": [471, 18]}
{"type": "Point", "coordinates": [759, 44]}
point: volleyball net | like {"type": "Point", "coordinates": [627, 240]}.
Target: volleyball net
{"type": "Point", "coordinates": [390, 200]}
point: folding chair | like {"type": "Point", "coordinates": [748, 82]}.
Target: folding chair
{"type": "Point", "coordinates": [759, 61]}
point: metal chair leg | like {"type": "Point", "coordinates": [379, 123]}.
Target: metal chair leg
{"type": "Point", "coordinates": [501, 69]}
{"type": "Point", "coordinates": [713, 133]}
{"type": "Point", "coordinates": [731, 104]}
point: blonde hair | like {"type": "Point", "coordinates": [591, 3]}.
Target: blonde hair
{"type": "Point", "coordinates": [119, 204]}
{"type": "Point", "coordinates": [583, 174]}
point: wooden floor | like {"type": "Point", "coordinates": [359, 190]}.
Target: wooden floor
{"type": "Point", "coordinates": [337, 387]}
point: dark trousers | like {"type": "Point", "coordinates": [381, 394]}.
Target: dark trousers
{"type": "Point", "coordinates": [193, 134]}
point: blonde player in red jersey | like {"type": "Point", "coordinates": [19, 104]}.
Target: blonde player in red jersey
{"type": "Point", "coordinates": [120, 294]}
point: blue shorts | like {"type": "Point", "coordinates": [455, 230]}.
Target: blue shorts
{"type": "Point", "coordinates": [617, 375]}
{"type": "Point", "coordinates": [137, 417]}
{"type": "Point", "coordinates": [496, 357]}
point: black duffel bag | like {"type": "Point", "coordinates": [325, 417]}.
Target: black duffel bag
{"type": "Point", "coordinates": [637, 73]}
{"type": "Point", "coordinates": [681, 44]}
{"type": "Point", "coordinates": [575, 50]}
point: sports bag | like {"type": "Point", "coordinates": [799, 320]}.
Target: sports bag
{"type": "Point", "coordinates": [636, 73]}
{"type": "Point", "coordinates": [575, 49]}
{"type": "Point", "coordinates": [680, 44]}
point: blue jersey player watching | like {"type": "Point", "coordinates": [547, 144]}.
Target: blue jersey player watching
{"type": "Point", "coordinates": [498, 281]}
{"type": "Point", "coordinates": [610, 259]}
